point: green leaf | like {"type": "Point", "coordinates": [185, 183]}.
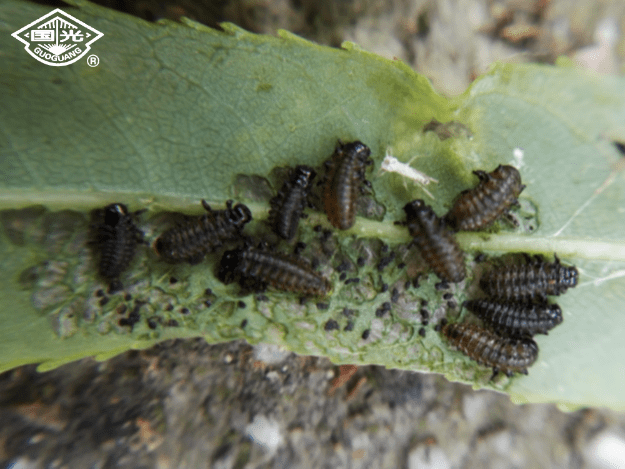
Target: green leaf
{"type": "Point", "coordinates": [176, 113]}
{"type": "Point", "coordinates": [565, 121]}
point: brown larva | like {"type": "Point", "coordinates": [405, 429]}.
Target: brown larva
{"type": "Point", "coordinates": [437, 244]}
{"type": "Point", "coordinates": [346, 173]}
{"type": "Point", "coordinates": [516, 319]}
{"type": "Point", "coordinates": [193, 239]}
{"type": "Point", "coordinates": [535, 279]}
{"type": "Point", "coordinates": [505, 354]}
{"type": "Point", "coordinates": [257, 268]}
{"type": "Point", "coordinates": [117, 238]}
{"type": "Point", "coordinates": [476, 208]}
{"type": "Point", "coordinates": [287, 207]}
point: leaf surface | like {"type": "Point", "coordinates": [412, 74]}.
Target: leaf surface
{"type": "Point", "coordinates": [176, 113]}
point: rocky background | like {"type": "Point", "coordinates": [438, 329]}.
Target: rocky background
{"type": "Point", "coordinates": [187, 404]}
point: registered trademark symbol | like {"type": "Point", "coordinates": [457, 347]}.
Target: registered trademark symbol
{"type": "Point", "coordinates": [93, 60]}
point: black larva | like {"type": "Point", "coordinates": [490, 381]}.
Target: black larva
{"type": "Point", "coordinates": [534, 279]}
{"type": "Point", "coordinates": [193, 239]}
{"type": "Point", "coordinates": [117, 238]}
{"type": "Point", "coordinates": [288, 206]}
{"type": "Point", "coordinates": [516, 319]}
{"type": "Point", "coordinates": [476, 208]}
{"type": "Point", "coordinates": [255, 269]}
{"type": "Point", "coordinates": [437, 244]}
{"type": "Point", "coordinates": [505, 354]}
{"type": "Point", "coordinates": [346, 173]}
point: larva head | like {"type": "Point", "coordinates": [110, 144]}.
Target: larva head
{"type": "Point", "coordinates": [566, 276]}
{"type": "Point", "coordinates": [357, 148]}
{"type": "Point", "coordinates": [114, 212]}
{"type": "Point", "coordinates": [362, 151]}
{"type": "Point", "coordinates": [419, 216]}
{"type": "Point", "coordinates": [529, 345]}
{"type": "Point", "coordinates": [239, 215]}
{"type": "Point", "coordinates": [415, 209]}
{"type": "Point", "coordinates": [228, 266]}
{"type": "Point", "coordinates": [512, 177]}
{"type": "Point", "coordinates": [570, 276]}
{"type": "Point", "coordinates": [555, 314]}
{"type": "Point", "coordinates": [303, 176]}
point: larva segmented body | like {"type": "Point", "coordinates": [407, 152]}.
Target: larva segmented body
{"type": "Point", "coordinates": [287, 207]}
{"type": "Point", "coordinates": [516, 319]}
{"type": "Point", "coordinates": [117, 238]}
{"type": "Point", "coordinates": [197, 236]}
{"type": "Point", "coordinates": [505, 354]}
{"type": "Point", "coordinates": [346, 173]}
{"type": "Point", "coordinates": [536, 278]}
{"type": "Point", "coordinates": [437, 244]}
{"type": "Point", "coordinates": [256, 269]}
{"type": "Point", "coordinates": [476, 208]}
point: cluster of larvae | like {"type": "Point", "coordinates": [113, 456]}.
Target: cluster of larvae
{"type": "Point", "coordinates": [251, 263]}
{"type": "Point", "coordinates": [516, 307]}
{"type": "Point", "coordinates": [515, 310]}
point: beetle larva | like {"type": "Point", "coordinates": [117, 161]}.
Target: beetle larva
{"type": "Point", "coordinates": [117, 238]}
{"type": "Point", "coordinates": [516, 319]}
{"type": "Point", "coordinates": [478, 207]}
{"type": "Point", "coordinates": [437, 244]}
{"type": "Point", "coordinates": [505, 354]}
{"type": "Point", "coordinates": [255, 269]}
{"type": "Point", "coordinates": [197, 236]}
{"type": "Point", "coordinates": [287, 207]}
{"type": "Point", "coordinates": [536, 278]}
{"type": "Point", "coordinates": [346, 173]}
